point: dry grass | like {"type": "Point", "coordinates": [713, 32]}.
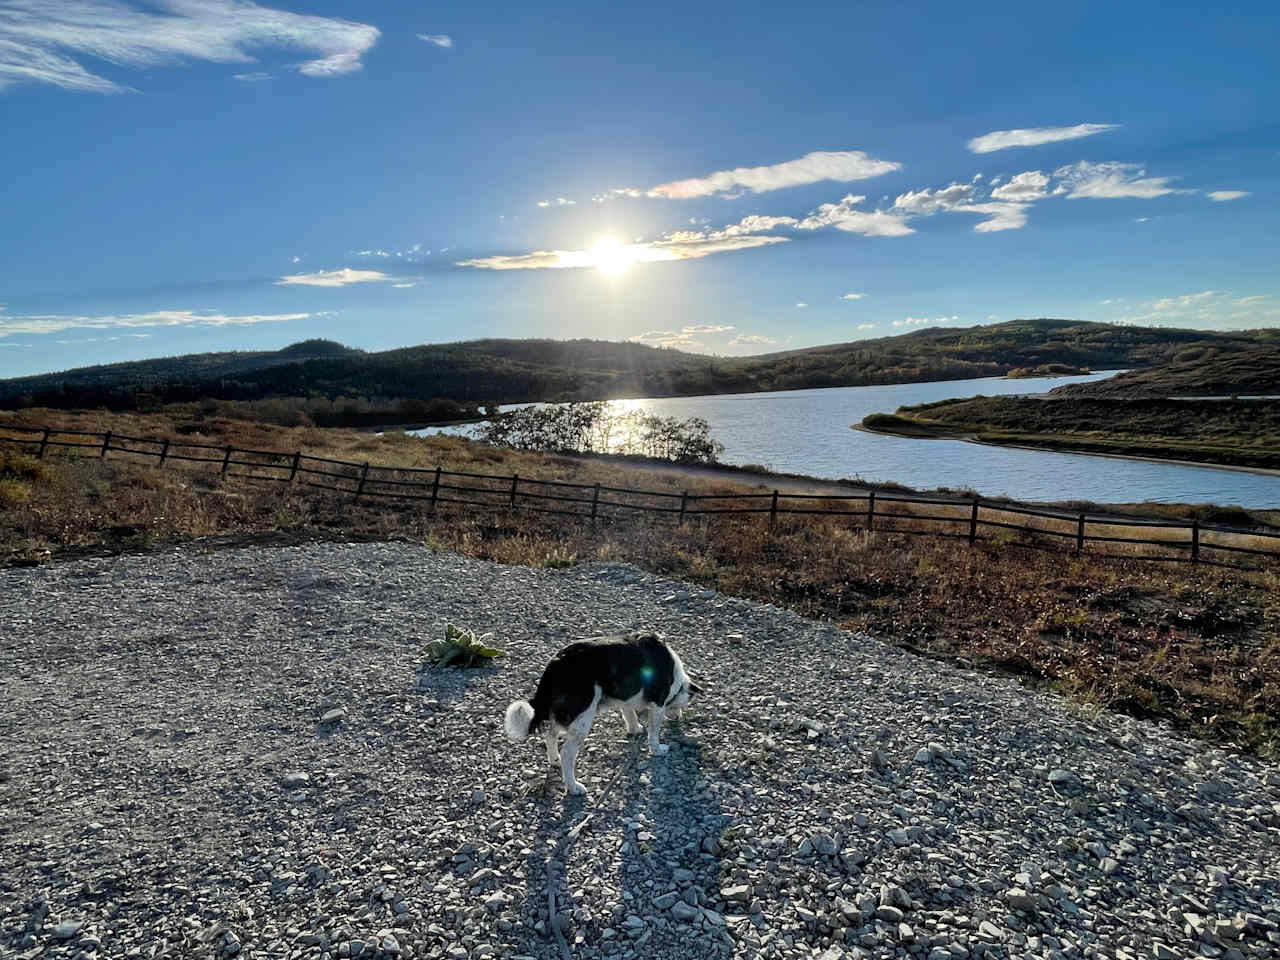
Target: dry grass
{"type": "Point", "coordinates": [1197, 645]}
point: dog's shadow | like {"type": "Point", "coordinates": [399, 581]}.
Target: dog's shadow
{"type": "Point", "coordinates": [668, 823]}
{"type": "Point", "coordinates": [672, 823]}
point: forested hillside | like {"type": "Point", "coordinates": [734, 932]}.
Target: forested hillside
{"type": "Point", "coordinates": [509, 371]}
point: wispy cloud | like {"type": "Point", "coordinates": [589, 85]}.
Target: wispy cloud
{"type": "Point", "coordinates": [678, 246]}
{"type": "Point", "coordinates": [616, 192]}
{"type": "Point", "coordinates": [123, 336]}
{"type": "Point", "coordinates": [1207, 309]}
{"type": "Point", "coordinates": [40, 40]}
{"type": "Point", "coordinates": [257, 77]}
{"type": "Point", "coordinates": [557, 202]}
{"type": "Point", "coordinates": [843, 216]}
{"type": "Point", "coordinates": [437, 39]}
{"type": "Point", "coordinates": [334, 278]}
{"type": "Point", "coordinates": [686, 338]}
{"type": "Point", "coordinates": [672, 339]}
{"type": "Point", "coordinates": [866, 326]}
{"type": "Point", "coordinates": [54, 323]}
{"type": "Point", "coordinates": [958, 198]}
{"type": "Point", "coordinates": [1185, 300]}
{"type": "Point", "coordinates": [1001, 216]}
{"type": "Point", "coordinates": [1113, 180]}
{"type": "Point", "coordinates": [853, 296]}
{"type": "Point", "coordinates": [843, 166]}
{"type": "Point", "coordinates": [1222, 196]}
{"type": "Point", "coordinates": [921, 321]}
{"type": "Point", "coordinates": [801, 305]}
{"type": "Point", "coordinates": [927, 203]}
{"type": "Point", "coordinates": [1035, 136]}
{"type": "Point", "coordinates": [1023, 188]}
{"type": "Point", "coordinates": [754, 224]}
{"type": "Point", "coordinates": [752, 340]}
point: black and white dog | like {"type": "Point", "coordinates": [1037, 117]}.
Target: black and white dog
{"type": "Point", "coordinates": [624, 673]}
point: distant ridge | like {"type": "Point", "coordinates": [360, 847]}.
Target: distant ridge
{"type": "Point", "coordinates": [507, 370]}
{"type": "Point", "coordinates": [1247, 373]}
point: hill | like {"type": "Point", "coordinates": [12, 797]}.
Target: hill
{"type": "Point", "coordinates": [1186, 410]}
{"type": "Point", "coordinates": [1250, 373]}
{"type": "Point", "coordinates": [483, 371]}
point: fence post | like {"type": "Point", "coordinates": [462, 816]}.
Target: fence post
{"type": "Point", "coordinates": [1195, 541]}
{"type": "Point", "coordinates": [1080, 534]}
{"type": "Point", "coordinates": [515, 478]}
{"type": "Point", "coordinates": [871, 511]}
{"type": "Point", "coordinates": [106, 445]}
{"type": "Point", "coordinates": [595, 503]}
{"type": "Point", "coordinates": [44, 442]}
{"type": "Point", "coordinates": [773, 509]}
{"type": "Point", "coordinates": [435, 492]}
{"type": "Point", "coordinates": [164, 452]}
{"type": "Point", "coordinates": [364, 473]}
{"type": "Point", "coordinates": [226, 461]}
{"type": "Point", "coordinates": [684, 503]}
{"type": "Point", "coordinates": [297, 462]}
{"type": "Point", "coordinates": [973, 524]}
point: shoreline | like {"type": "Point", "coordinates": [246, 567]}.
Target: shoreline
{"type": "Point", "coordinates": [973, 438]}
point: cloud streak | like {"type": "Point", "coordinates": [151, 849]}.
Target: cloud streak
{"type": "Point", "coordinates": [334, 278]}
{"type": "Point", "coordinates": [1222, 196]}
{"type": "Point", "coordinates": [844, 217]}
{"type": "Point", "coordinates": [678, 246]}
{"type": "Point", "coordinates": [442, 40]}
{"type": "Point", "coordinates": [1208, 309]}
{"type": "Point", "coordinates": [43, 41]}
{"type": "Point", "coordinates": [53, 323]}
{"type": "Point", "coordinates": [1035, 136]}
{"type": "Point", "coordinates": [842, 166]}
{"type": "Point", "coordinates": [1106, 181]}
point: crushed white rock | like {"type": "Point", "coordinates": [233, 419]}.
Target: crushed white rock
{"type": "Point", "coordinates": [165, 788]}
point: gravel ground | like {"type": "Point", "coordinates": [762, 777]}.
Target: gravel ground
{"type": "Point", "coordinates": [170, 784]}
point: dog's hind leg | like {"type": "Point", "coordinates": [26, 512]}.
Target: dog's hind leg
{"type": "Point", "coordinates": [655, 730]}
{"type": "Point", "coordinates": [577, 734]}
{"type": "Point", "coordinates": [632, 721]}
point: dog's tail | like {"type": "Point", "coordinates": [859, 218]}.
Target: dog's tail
{"type": "Point", "coordinates": [519, 720]}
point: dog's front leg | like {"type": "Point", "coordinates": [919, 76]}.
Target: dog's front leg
{"type": "Point", "coordinates": [553, 744]}
{"type": "Point", "coordinates": [655, 729]}
{"type": "Point", "coordinates": [632, 721]}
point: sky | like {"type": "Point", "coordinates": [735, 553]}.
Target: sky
{"type": "Point", "coordinates": [181, 176]}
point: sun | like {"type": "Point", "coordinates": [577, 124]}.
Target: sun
{"type": "Point", "coordinates": [610, 255]}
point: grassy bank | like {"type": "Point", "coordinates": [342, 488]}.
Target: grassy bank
{"type": "Point", "coordinates": [1240, 433]}
{"type": "Point", "coordinates": [1199, 646]}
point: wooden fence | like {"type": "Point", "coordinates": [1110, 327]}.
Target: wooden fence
{"type": "Point", "coordinates": [971, 519]}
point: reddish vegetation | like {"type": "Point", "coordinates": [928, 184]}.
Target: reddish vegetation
{"type": "Point", "coordinates": [1199, 646]}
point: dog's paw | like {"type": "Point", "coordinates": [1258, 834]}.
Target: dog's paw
{"type": "Point", "coordinates": [660, 750]}
{"type": "Point", "coordinates": [576, 790]}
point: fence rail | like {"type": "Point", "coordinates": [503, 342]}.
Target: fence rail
{"type": "Point", "coordinates": [878, 511]}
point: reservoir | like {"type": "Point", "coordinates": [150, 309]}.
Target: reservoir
{"type": "Point", "coordinates": [809, 432]}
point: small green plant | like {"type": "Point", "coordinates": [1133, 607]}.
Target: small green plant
{"type": "Point", "coordinates": [559, 558]}
{"type": "Point", "coordinates": [462, 648]}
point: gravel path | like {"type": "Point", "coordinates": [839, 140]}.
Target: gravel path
{"type": "Point", "coordinates": [168, 787]}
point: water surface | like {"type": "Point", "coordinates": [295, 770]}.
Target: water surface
{"type": "Point", "coordinates": [809, 432]}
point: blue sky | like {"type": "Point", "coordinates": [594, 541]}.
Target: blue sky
{"type": "Point", "coordinates": [191, 175]}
